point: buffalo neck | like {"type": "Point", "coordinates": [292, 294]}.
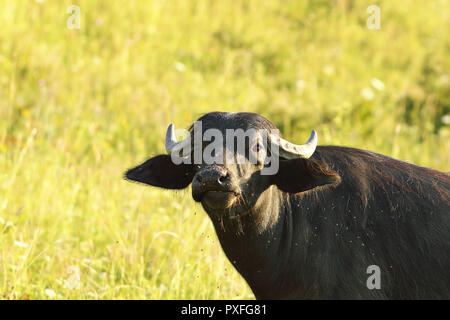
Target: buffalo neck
{"type": "Point", "coordinates": [259, 244]}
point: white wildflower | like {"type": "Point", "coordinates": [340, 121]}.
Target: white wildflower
{"type": "Point", "coordinates": [50, 293]}
{"type": "Point", "coordinates": [446, 119]}
{"type": "Point", "coordinates": [378, 84]}
{"type": "Point", "coordinates": [180, 66]}
{"type": "Point", "coordinates": [367, 94]}
{"type": "Point", "coordinates": [21, 244]}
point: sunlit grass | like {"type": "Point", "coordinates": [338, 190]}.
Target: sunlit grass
{"type": "Point", "coordinates": [78, 107]}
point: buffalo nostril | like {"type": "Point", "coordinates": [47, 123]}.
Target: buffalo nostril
{"type": "Point", "coordinates": [223, 177]}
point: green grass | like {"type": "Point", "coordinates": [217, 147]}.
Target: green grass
{"type": "Point", "coordinates": [79, 107]}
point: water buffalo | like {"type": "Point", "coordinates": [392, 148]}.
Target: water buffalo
{"type": "Point", "coordinates": [331, 223]}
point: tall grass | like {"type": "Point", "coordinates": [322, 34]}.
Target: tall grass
{"type": "Point", "coordinates": [78, 107]}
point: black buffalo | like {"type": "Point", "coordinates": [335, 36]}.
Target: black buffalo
{"type": "Point", "coordinates": [313, 229]}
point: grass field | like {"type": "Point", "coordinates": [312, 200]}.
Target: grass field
{"type": "Point", "coordinates": [80, 106]}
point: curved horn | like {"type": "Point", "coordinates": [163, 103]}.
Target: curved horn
{"type": "Point", "coordinates": [171, 141]}
{"type": "Point", "coordinates": [289, 150]}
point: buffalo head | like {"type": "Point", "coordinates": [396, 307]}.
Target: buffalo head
{"type": "Point", "coordinates": [232, 159]}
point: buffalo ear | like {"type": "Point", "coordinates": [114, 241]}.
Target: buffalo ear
{"type": "Point", "coordinates": [300, 175]}
{"type": "Point", "coordinates": [160, 171]}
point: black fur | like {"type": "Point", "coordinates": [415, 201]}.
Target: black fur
{"type": "Point", "coordinates": [383, 212]}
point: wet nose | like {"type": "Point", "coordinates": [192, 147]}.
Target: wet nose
{"type": "Point", "coordinates": [212, 178]}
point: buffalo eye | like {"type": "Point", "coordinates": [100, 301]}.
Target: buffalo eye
{"type": "Point", "coordinates": [257, 148]}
